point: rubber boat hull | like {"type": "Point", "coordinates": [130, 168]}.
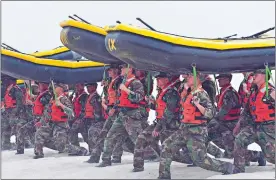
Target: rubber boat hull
{"type": "Point", "coordinates": [23, 69]}
{"type": "Point", "coordinates": [156, 55]}
{"type": "Point", "coordinates": [85, 42]}
{"type": "Point", "coordinates": [60, 53]}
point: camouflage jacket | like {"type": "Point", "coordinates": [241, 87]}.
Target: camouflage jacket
{"type": "Point", "coordinates": [230, 100]}
{"type": "Point", "coordinates": [170, 119]}
{"type": "Point", "coordinates": [204, 100]}
{"type": "Point", "coordinates": [95, 101]}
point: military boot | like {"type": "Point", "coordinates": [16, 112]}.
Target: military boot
{"type": "Point", "coordinates": [262, 159]}
{"type": "Point", "coordinates": [136, 169]}
{"type": "Point", "coordinates": [93, 159]}
{"type": "Point", "coordinates": [19, 151]}
{"type": "Point", "coordinates": [164, 176]}
{"type": "Point", "coordinates": [116, 159]}
{"type": "Point", "coordinates": [104, 163]}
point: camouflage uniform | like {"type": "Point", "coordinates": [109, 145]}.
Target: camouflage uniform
{"type": "Point", "coordinates": [166, 126]}
{"type": "Point", "coordinates": [99, 143]}
{"type": "Point", "coordinates": [53, 135]}
{"type": "Point", "coordinates": [193, 137]}
{"type": "Point", "coordinates": [221, 132]}
{"type": "Point", "coordinates": [126, 124]}
{"type": "Point", "coordinates": [261, 133]}
{"type": "Point", "coordinates": [91, 127]}
{"type": "Point", "coordinates": [30, 126]}
{"type": "Point", "coordinates": [78, 125]}
{"type": "Point", "coordinates": [13, 118]}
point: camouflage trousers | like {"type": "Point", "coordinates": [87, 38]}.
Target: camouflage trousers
{"type": "Point", "coordinates": [146, 139]}
{"type": "Point", "coordinates": [79, 126]}
{"type": "Point", "coordinates": [192, 137]}
{"type": "Point", "coordinates": [263, 135]}
{"type": "Point", "coordinates": [24, 130]}
{"type": "Point", "coordinates": [223, 137]}
{"type": "Point", "coordinates": [53, 136]}
{"type": "Point", "coordinates": [99, 143]}
{"type": "Point", "coordinates": [10, 125]}
{"type": "Point", "coordinates": [127, 124]}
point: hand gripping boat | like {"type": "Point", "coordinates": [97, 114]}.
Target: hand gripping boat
{"type": "Point", "coordinates": [60, 53]}
{"type": "Point", "coordinates": [87, 40]}
{"type": "Point", "coordinates": [156, 51]}
{"type": "Point", "coordinates": [24, 66]}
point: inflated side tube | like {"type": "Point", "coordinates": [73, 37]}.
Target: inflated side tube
{"type": "Point", "coordinates": [87, 40]}
{"type": "Point", "coordinates": [24, 66]}
{"type": "Point", "coordinates": [156, 51]}
{"type": "Point", "coordinates": [60, 53]}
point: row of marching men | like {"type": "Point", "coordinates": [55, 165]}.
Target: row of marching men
{"type": "Point", "coordinates": [186, 119]}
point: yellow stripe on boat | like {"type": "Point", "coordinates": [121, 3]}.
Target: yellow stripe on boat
{"type": "Point", "coordinates": [50, 62]}
{"type": "Point", "coordinates": [84, 26]}
{"type": "Point", "coordinates": [19, 81]}
{"type": "Point", "coordinates": [51, 52]}
{"type": "Point", "coordinates": [200, 43]}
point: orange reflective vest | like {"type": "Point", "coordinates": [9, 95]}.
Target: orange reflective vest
{"type": "Point", "coordinates": [190, 113]}
{"type": "Point", "coordinates": [89, 109]}
{"type": "Point", "coordinates": [9, 102]}
{"type": "Point", "coordinates": [234, 113]}
{"type": "Point", "coordinates": [77, 105]}
{"type": "Point", "coordinates": [112, 97]}
{"type": "Point", "coordinates": [160, 104]}
{"type": "Point", "coordinates": [123, 100]}
{"type": "Point", "coordinates": [260, 110]}
{"type": "Point", "coordinates": [38, 107]}
{"type": "Point", "coordinates": [57, 113]}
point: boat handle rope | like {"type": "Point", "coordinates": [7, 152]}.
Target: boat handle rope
{"type": "Point", "coordinates": [216, 83]}
{"type": "Point", "coordinates": [194, 74]}
{"type": "Point", "coordinates": [148, 90]}
{"type": "Point", "coordinates": [104, 78]}
{"type": "Point", "coordinates": [54, 91]}
{"type": "Point", "coordinates": [267, 72]}
{"type": "Point", "coordinates": [125, 77]}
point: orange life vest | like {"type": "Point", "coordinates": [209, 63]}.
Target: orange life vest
{"type": "Point", "coordinates": [9, 102]}
{"type": "Point", "coordinates": [261, 111]}
{"type": "Point", "coordinates": [77, 104]}
{"type": "Point", "coordinates": [38, 107]}
{"type": "Point", "coordinates": [190, 113]}
{"type": "Point", "coordinates": [160, 104]}
{"type": "Point", "coordinates": [57, 113]}
{"type": "Point", "coordinates": [234, 113]}
{"type": "Point", "coordinates": [112, 97]}
{"type": "Point", "coordinates": [123, 100]}
{"type": "Point", "coordinates": [89, 109]}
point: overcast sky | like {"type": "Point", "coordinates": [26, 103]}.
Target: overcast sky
{"type": "Point", "coordinates": [34, 25]}
{"type": "Point", "coordinates": [30, 26]}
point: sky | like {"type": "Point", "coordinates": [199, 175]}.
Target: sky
{"type": "Point", "coordinates": [34, 25]}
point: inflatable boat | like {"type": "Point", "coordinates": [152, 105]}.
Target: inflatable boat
{"type": "Point", "coordinates": [24, 66]}
{"type": "Point", "coordinates": [156, 51]}
{"type": "Point", "coordinates": [87, 40]}
{"type": "Point", "coordinates": [60, 53]}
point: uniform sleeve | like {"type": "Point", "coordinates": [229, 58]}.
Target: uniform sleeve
{"type": "Point", "coordinates": [230, 101]}
{"type": "Point", "coordinates": [96, 103]}
{"type": "Point", "coordinates": [18, 96]}
{"type": "Point", "coordinates": [82, 101]}
{"type": "Point", "coordinates": [172, 99]}
{"type": "Point", "coordinates": [68, 106]}
{"type": "Point", "coordinates": [271, 100]}
{"type": "Point", "coordinates": [207, 104]}
{"type": "Point", "coordinates": [45, 99]}
{"type": "Point", "coordinates": [138, 91]}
